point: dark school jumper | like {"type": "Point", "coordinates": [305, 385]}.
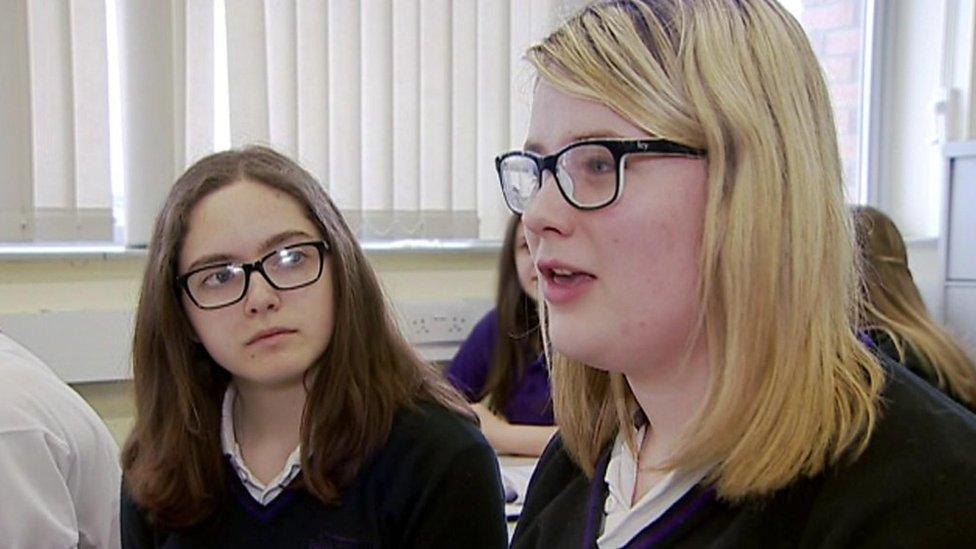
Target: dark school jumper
{"type": "Point", "coordinates": [434, 484]}
{"type": "Point", "coordinates": [914, 486]}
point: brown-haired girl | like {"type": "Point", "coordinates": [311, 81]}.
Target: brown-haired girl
{"type": "Point", "coordinates": [500, 366]}
{"type": "Point", "coordinates": [277, 404]}
{"type": "Point", "coordinates": [896, 316]}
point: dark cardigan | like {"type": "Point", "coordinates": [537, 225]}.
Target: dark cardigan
{"type": "Point", "coordinates": [913, 361]}
{"type": "Point", "coordinates": [434, 484]}
{"type": "Point", "coordinates": [914, 486]}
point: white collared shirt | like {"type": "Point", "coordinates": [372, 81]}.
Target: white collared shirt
{"type": "Point", "coordinates": [622, 521]}
{"type": "Point", "coordinates": [228, 441]}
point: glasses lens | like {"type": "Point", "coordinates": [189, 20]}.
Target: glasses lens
{"type": "Point", "coordinates": [520, 180]}
{"type": "Point", "coordinates": [294, 266]}
{"type": "Point", "coordinates": [216, 286]}
{"type": "Point", "coordinates": [588, 174]}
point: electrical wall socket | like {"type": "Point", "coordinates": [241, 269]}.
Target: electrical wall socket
{"type": "Point", "coordinates": [440, 322]}
{"type": "Point", "coordinates": [95, 345]}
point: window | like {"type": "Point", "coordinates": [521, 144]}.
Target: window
{"type": "Point", "coordinates": [55, 151]}
{"type": "Point", "coordinates": [397, 106]}
{"type": "Point", "coordinates": [837, 32]}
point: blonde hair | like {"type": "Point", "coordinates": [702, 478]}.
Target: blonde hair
{"type": "Point", "coordinates": [791, 388]}
{"type": "Point", "coordinates": [894, 305]}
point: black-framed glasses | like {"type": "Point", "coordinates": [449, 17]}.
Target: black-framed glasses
{"type": "Point", "coordinates": [589, 174]}
{"type": "Point", "coordinates": [219, 285]}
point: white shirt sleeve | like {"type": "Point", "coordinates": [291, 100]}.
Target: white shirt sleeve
{"type": "Point", "coordinates": [49, 501]}
{"type": "Point", "coordinates": [37, 507]}
{"type": "Point", "coordinates": [59, 468]}
{"type": "Point", "coordinates": [95, 489]}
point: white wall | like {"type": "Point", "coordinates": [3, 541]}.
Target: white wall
{"type": "Point", "coordinates": [911, 177]}
{"type": "Point", "coordinates": [926, 101]}
{"type": "Point", "coordinates": [923, 260]}
{"type": "Point", "coordinates": [60, 285]}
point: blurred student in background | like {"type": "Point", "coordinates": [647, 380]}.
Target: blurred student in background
{"type": "Point", "coordinates": [500, 367]}
{"type": "Point", "coordinates": [277, 404]}
{"type": "Point", "coordinates": [895, 314]}
{"type": "Point", "coordinates": [59, 466]}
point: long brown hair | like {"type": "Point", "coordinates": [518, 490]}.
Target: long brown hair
{"type": "Point", "coordinates": [172, 460]}
{"type": "Point", "coordinates": [894, 305]}
{"type": "Point", "coordinates": [518, 339]}
{"type": "Point", "coordinates": [791, 389]}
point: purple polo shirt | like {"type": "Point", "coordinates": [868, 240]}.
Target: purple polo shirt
{"type": "Point", "coordinates": [530, 402]}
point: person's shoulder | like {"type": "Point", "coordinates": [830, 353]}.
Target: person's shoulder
{"type": "Point", "coordinates": [916, 478]}
{"type": "Point", "coordinates": [920, 430]}
{"type": "Point", "coordinates": [468, 370]}
{"type": "Point", "coordinates": [31, 387]}
{"type": "Point", "coordinates": [556, 455]}
{"type": "Point", "coordinates": [910, 404]}
{"type": "Point", "coordinates": [915, 363]}
{"type": "Point", "coordinates": [34, 399]}
{"type": "Point", "coordinates": [921, 436]}
{"type": "Point", "coordinates": [432, 427]}
{"type": "Point", "coordinates": [427, 441]}
{"type": "Point", "coordinates": [135, 528]}
{"type": "Point", "coordinates": [17, 363]}
{"type": "Point", "coordinates": [488, 324]}
{"type": "Point", "coordinates": [555, 505]}
{"type": "Point", "coordinates": [555, 468]}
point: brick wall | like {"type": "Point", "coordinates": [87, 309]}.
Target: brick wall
{"type": "Point", "coordinates": [836, 30]}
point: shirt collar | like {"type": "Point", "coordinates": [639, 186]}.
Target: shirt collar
{"type": "Point", "coordinates": [261, 493]}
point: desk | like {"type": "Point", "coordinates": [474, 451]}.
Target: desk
{"type": "Point", "coordinates": [506, 460]}
{"type": "Point", "coordinates": [516, 471]}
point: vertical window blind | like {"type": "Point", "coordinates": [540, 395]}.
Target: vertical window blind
{"type": "Point", "coordinates": [55, 173]}
{"type": "Point", "coordinates": [397, 106]}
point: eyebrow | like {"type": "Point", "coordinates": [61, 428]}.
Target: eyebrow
{"type": "Point", "coordinates": [266, 246]}
{"type": "Point", "coordinates": [532, 146]}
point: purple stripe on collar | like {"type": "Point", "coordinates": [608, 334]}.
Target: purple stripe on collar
{"type": "Point", "coordinates": [262, 513]}
{"type": "Point", "coordinates": [594, 508]}
{"type": "Point", "coordinates": [865, 339]}
{"type": "Point", "coordinates": [684, 509]}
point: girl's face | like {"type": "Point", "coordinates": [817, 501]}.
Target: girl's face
{"type": "Point", "coordinates": [270, 337]}
{"type": "Point", "coordinates": [528, 277]}
{"type": "Point", "coordinates": [621, 282]}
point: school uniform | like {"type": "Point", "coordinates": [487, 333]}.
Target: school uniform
{"type": "Point", "coordinates": [434, 484]}
{"type": "Point", "coordinates": [914, 486]}
{"type": "Point", "coordinates": [530, 402]}
{"type": "Point", "coordinates": [59, 466]}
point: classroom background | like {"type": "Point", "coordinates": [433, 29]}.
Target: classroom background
{"type": "Point", "coordinates": [399, 107]}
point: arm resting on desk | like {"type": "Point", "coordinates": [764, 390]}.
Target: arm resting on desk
{"type": "Point", "coordinates": [505, 438]}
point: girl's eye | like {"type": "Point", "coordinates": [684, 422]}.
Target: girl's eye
{"type": "Point", "coordinates": [289, 258]}
{"type": "Point", "coordinates": [218, 278]}
{"type": "Point", "coordinates": [600, 165]}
